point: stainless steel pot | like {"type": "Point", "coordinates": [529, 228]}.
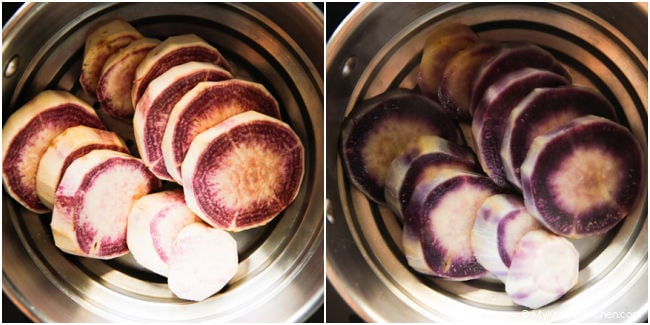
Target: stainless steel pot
{"type": "Point", "coordinates": [281, 265]}
{"type": "Point", "coordinates": [378, 47]}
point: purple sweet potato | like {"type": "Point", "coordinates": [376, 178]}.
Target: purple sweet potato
{"type": "Point", "coordinates": [441, 215]}
{"type": "Point", "coordinates": [583, 178]}
{"type": "Point", "coordinates": [378, 130]}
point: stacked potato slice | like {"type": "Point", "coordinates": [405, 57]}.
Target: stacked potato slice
{"type": "Point", "coordinates": [52, 160]}
{"type": "Point", "coordinates": [551, 162]}
{"type": "Point", "coordinates": [194, 125]}
{"type": "Point", "coordinates": [26, 137]}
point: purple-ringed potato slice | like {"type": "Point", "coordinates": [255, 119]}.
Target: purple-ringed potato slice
{"type": "Point", "coordinates": [93, 202]}
{"type": "Point", "coordinates": [490, 119]}
{"type": "Point", "coordinates": [439, 47]}
{"type": "Point", "coordinates": [204, 106]}
{"type": "Point", "coordinates": [422, 160]}
{"type": "Point", "coordinates": [514, 56]}
{"type": "Point", "coordinates": [153, 110]}
{"type": "Point", "coordinates": [243, 172]}
{"type": "Point", "coordinates": [378, 129]}
{"type": "Point", "coordinates": [583, 178]}
{"type": "Point", "coordinates": [501, 221]}
{"type": "Point", "coordinates": [100, 44]}
{"type": "Point", "coordinates": [444, 211]}
{"type": "Point", "coordinates": [456, 82]}
{"type": "Point", "coordinates": [27, 134]}
{"type": "Point", "coordinates": [71, 144]}
{"type": "Point", "coordinates": [203, 261]}
{"type": "Point", "coordinates": [173, 51]}
{"type": "Point", "coordinates": [115, 81]}
{"type": "Point", "coordinates": [542, 111]}
{"type": "Point", "coordinates": [153, 224]}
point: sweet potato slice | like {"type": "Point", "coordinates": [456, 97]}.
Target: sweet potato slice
{"type": "Point", "coordinates": [421, 161]}
{"type": "Point", "coordinates": [173, 51]}
{"type": "Point", "coordinates": [27, 134]}
{"type": "Point", "coordinates": [116, 79]}
{"type": "Point", "coordinates": [93, 201]}
{"type": "Point", "coordinates": [156, 104]}
{"type": "Point", "coordinates": [457, 78]}
{"type": "Point", "coordinates": [514, 56]}
{"type": "Point", "coordinates": [490, 119]}
{"type": "Point", "coordinates": [243, 172]}
{"type": "Point", "coordinates": [440, 46]}
{"type": "Point", "coordinates": [544, 267]}
{"type": "Point", "coordinates": [441, 215]}
{"type": "Point", "coordinates": [378, 130]}
{"type": "Point", "coordinates": [500, 223]}
{"type": "Point", "coordinates": [101, 43]}
{"type": "Point", "coordinates": [153, 224]}
{"type": "Point", "coordinates": [203, 261]}
{"type": "Point", "coordinates": [583, 178]}
{"type": "Point", "coordinates": [71, 144]}
{"type": "Point", "coordinates": [542, 111]}
{"type": "Point", "coordinates": [206, 105]}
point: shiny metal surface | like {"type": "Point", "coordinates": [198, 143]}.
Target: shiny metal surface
{"type": "Point", "coordinates": [378, 47]}
{"type": "Point", "coordinates": [281, 265]}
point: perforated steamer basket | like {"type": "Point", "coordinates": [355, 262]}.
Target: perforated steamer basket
{"type": "Point", "coordinates": [280, 276]}
{"type": "Point", "coordinates": [378, 47]}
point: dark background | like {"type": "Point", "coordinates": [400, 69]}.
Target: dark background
{"type": "Point", "coordinates": [10, 313]}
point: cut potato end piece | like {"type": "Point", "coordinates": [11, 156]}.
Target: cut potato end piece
{"type": "Point", "coordinates": [101, 44]}
{"type": "Point", "coordinates": [456, 82]}
{"type": "Point", "coordinates": [441, 45]}
{"type": "Point", "coordinates": [203, 261]}
{"type": "Point", "coordinates": [531, 282]}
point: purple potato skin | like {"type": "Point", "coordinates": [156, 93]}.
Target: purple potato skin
{"type": "Point", "coordinates": [398, 104]}
{"type": "Point", "coordinates": [515, 56]}
{"type": "Point", "coordinates": [545, 105]}
{"type": "Point", "coordinates": [543, 165]}
{"type": "Point", "coordinates": [502, 232]}
{"type": "Point", "coordinates": [490, 119]}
